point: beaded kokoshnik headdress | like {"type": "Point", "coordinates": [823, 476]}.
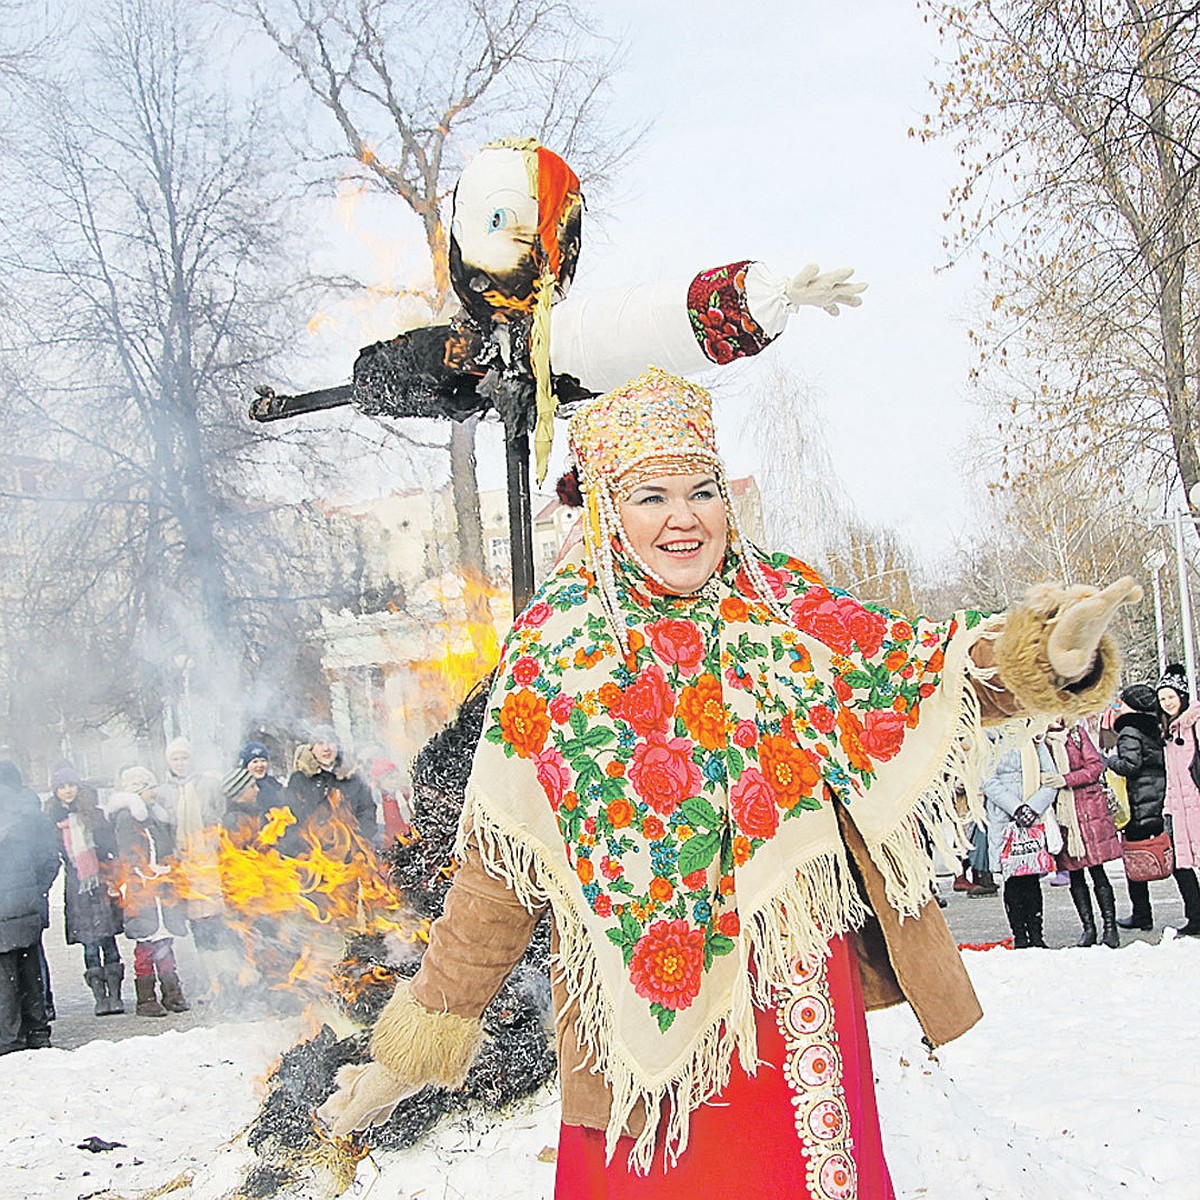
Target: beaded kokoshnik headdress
{"type": "Point", "coordinates": [659, 424]}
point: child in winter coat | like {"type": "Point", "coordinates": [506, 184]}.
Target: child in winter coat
{"type": "Point", "coordinates": [154, 916]}
{"type": "Point", "coordinates": [1021, 793]}
{"type": "Point", "coordinates": [92, 913]}
{"type": "Point", "coordinates": [1181, 746]}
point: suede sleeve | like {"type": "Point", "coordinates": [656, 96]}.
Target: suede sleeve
{"type": "Point", "coordinates": [480, 936]}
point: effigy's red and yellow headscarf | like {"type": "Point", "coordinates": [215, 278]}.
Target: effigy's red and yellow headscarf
{"type": "Point", "coordinates": [664, 770]}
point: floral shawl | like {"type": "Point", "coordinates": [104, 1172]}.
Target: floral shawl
{"type": "Point", "coordinates": [675, 807]}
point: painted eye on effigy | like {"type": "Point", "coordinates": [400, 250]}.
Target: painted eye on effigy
{"type": "Point", "coordinates": [501, 218]}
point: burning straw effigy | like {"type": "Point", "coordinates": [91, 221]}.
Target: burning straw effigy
{"type": "Point", "coordinates": [517, 1057]}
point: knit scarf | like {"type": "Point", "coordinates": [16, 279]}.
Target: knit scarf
{"type": "Point", "coordinates": [1064, 802]}
{"type": "Point", "coordinates": [675, 806]}
{"type": "Point", "coordinates": [80, 850]}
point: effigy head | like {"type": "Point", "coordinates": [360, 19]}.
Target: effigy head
{"type": "Point", "coordinates": [515, 229]}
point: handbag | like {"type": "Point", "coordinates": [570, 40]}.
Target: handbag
{"type": "Point", "coordinates": [1194, 765]}
{"type": "Point", "coordinates": [1023, 850]}
{"type": "Point", "coordinates": [1153, 858]}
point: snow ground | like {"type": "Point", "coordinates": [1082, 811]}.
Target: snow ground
{"type": "Point", "coordinates": [1081, 1081]}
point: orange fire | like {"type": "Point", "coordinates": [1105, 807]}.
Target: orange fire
{"type": "Point", "coordinates": [291, 910]}
{"type": "Point", "coordinates": [470, 648]}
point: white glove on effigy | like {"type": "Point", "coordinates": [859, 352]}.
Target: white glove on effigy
{"type": "Point", "coordinates": [827, 291]}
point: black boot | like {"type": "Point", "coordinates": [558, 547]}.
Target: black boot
{"type": "Point", "coordinates": [94, 978]}
{"type": "Point", "coordinates": [1142, 916]}
{"type": "Point", "coordinates": [1189, 889]}
{"type": "Point", "coordinates": [173, 999]}
{"type": "Point", "coordinates": [1106, 901]}
{"type": "Point", "coordinates": [147, 1001]}
{"type": "Point", "coordinates": [1014, 909]}
{"type": "Point", "coordinates": [1083, 906]}
{"type": "Point", "coordinates": [1033, 913]}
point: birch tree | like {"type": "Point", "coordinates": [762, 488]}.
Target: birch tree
{"type": "Point", "coordinates": [1078, 127]}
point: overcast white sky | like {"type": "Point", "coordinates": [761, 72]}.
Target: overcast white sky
{"type": "Point", "coordinates": [780, 132]}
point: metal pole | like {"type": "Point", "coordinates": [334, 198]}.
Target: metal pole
{"type": "Point", "coordinates": [1185, 603]}
{"type": "Point", "coordinates": [520, 518]}
{"type": "Point", "coordinates": [1159, 630]}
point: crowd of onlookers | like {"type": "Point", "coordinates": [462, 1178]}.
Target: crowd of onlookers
{"type": "Point", "coordinates": [142, 858]}
{"type": "Point", "coordinates": [1125, 785]}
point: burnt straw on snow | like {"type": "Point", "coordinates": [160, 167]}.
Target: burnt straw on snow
{"type": "Point", "coordinates": [517, 1056]}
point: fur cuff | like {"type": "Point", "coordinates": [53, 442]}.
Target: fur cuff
{"type": "Point", "coordinates": [419, 1046]}
{"type": "Point", "coordinates": [1023, 663]}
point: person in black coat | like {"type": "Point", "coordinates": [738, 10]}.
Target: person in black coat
{"type": "Point", "coordinates": [29, 861]}
{"type": "Point", "coordinates": [255, 758]}
{"type": "Point", "coordinates": [1139, 759]}
{"type": "Point", "coordinates": [92, 909]}
{"type": "Point", "coordinates": [325, 784]}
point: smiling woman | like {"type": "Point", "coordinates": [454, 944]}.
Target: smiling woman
{"type": "Point", "coordinates": [677, 529]}
{"type": "Point", "coordinates": [713, 769]}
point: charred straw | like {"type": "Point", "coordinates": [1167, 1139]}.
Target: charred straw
{"type": "Point", "coordinates": [518, 1055]}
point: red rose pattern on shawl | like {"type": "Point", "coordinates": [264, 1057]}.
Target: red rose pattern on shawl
{"type": "Point", "coordinates": [640, 765]}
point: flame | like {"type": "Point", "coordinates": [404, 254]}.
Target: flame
{"type": "Point", "coordinates": [291, 910]}
{"type": "Point", "coordinates": [397, 289]}
{"type": "Point", "coordinates": [470, 648]}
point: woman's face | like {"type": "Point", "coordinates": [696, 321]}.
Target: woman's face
{"type": "Point", "coordinates": [676, 525]}
{"type": "Point", "coordinates": [1169, 701]}
{"type": "Point", "coordinates": [67, 793]}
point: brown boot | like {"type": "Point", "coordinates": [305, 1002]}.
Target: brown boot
{"type": "Point", "coordinates": [147, 1002]}
{"type": "Point", "coordinates": [172, 993]}
{"type": "Point", "coordinates": [985, 885]}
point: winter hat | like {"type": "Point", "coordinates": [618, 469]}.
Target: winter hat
{"type": "Point", "coordinates": [179, 745]}
{"type": "Point", "coordinates": [252, 750]}
{"type": "Point", "coordinates": [1175, 678]}
{"type": "Point", "coordinates": [1141, 697]}
{"type": "Point", "coordinates": [237, 781]}
{"type": "Point", "coordinates": [64, 776]}
{"type": "Point", "coordinates": [137, 779]}
{"type": "Point", "coordinates": [379, 768]}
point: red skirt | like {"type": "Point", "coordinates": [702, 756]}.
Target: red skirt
{"type": "Point", "coordinates": [747, 1141]}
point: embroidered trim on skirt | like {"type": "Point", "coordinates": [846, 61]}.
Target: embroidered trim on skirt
{"type": "Point", "coordinates": [806, 1127]}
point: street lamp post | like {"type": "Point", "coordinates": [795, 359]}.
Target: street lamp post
{"type": "Point", "coordinates": [1154, 563]}
{"type": "Point", "coordinates": [1185, 601]}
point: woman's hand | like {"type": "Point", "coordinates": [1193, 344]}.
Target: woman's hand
{"type": "Point", "coordinates": [366, 1096]}
{"type": "Point", "coordinates": [1081, 623]}
{"type": "Point", "coordinates": [1024, 816]}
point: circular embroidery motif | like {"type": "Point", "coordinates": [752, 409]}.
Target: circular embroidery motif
{"type": "Point", "coordinates": [818, 1064]}
{"type": "Point", "coordinates": [838, 1179]}
{"type": "Point", "coordinates": [813, 1070]}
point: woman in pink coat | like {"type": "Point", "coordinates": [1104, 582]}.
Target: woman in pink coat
{"type": "Point", "coordinates": [1182, 805]}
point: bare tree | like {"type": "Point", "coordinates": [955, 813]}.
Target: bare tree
{"type": "Point", "coordinates": [148, 255]}
{"type": "Point", "coordinates": [1078, 125]}
{"type": "Point", "coordinates": [412, 85]}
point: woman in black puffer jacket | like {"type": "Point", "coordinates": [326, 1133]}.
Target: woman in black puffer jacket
{"type": "Point", "coordinates": [1139, 758]}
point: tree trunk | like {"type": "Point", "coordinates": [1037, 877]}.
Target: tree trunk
{"type": "Point", "coordinates": [465, 490]}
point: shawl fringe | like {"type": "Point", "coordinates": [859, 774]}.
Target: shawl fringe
{"type": "Point", "coordinates": [821, 888]}
{"type": "Point", "coordinates": [816, 901]}
{"type": "Point", "coordinates": [933, 816]}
